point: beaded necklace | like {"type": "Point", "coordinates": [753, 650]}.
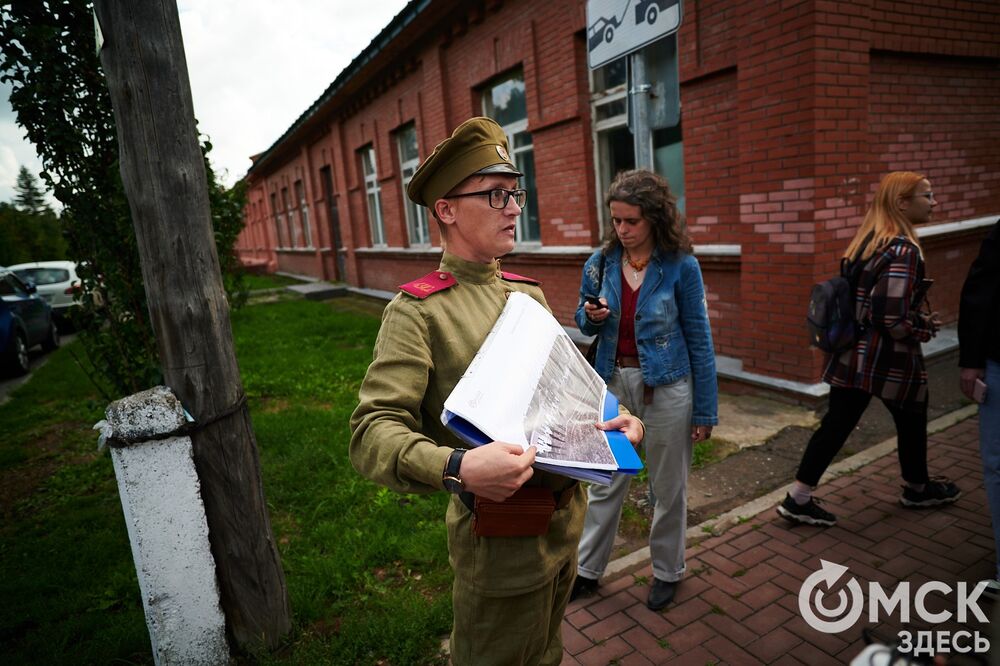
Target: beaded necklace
{"type": "Point", "coordinates": [637, 266]}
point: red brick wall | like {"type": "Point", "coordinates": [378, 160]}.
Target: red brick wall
{"type": "Point", "coordinates": [940, 117]}
{"type": "Point", "coordinates": [711, 158]}
{"type": "Point", "coordinates": [792, 111]}
{"type": "Point", "coordinates": [959, 27]}
{"type": "Point", "coordinates": [722, 292]}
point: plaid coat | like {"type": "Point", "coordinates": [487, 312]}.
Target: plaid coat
{"type": "Point", "coordinates": [887, 360]}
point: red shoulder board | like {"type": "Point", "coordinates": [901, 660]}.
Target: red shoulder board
{"type": "Point", "coordinates": [431, 283]}
{"type": "Point", "coordinates": [514, 277]}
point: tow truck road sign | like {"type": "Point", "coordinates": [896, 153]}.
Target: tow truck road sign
{"type": "Point", "coordinates": [618, 27]}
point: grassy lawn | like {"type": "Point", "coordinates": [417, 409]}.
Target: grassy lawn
{"type": "Point", "coordinates": [268, 281]}
{"type": "Point", "coordinates": [367, 569]}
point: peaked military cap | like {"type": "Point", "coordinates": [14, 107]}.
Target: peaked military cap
{"type": "Point", "coordinates": [477, 146]}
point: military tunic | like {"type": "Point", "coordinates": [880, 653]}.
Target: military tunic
{"type": "Point", "coordinates": [423, 347]}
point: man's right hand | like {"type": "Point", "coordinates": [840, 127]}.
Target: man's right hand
{"type": "Point", "coordinates": [967, 380]}
{"type": "Point", "coordinates": [496, 470]}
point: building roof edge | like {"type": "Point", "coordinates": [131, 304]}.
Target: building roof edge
{"type": "Point", "coordinates": [384, 37]}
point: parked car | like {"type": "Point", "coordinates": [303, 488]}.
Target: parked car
{"type": "Point", "coordinates": [603, 30]}
{"type": "Point", "coordinates": [25, 321]}
{"type": "Point", "coordinates": [648, 10]}
{"type": "Point", "coordinates": [57, 284]}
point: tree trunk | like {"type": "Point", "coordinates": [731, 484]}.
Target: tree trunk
{"type": "Point", "coordinates": [163, 172]}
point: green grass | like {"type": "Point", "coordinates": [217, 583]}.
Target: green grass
{"type": "Point", "coordinates": [366, 569]}
{"type": "Point", "coordinates": [705, 453]}
{"type": "Point", "coordinates": [254, 282]}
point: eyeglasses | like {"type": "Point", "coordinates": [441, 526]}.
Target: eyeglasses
{"type": "Point", "coordinates": [927, 195]}
{"type": "Point", "coordinates": [498, 197]}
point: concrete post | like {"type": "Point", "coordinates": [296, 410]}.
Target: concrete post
{"type": "Point", "coordinates": [161, 499]}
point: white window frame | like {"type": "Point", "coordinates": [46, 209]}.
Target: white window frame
{"type": "Point", "coordinates": [601, 134]}
{"type": "Point", "coordinates": [292, 228]}
{"type": "Point", "coordinates": [417, 227]}
{"type": "Point", "coordinates": [300, 192]}
{"type": "Point", "coordinates": [279, 219]}
{"type": "Point", "coordinates": [373, 196]}
{"type": "Point", "coordinates": [517, 156]}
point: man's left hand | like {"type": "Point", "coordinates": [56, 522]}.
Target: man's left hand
{"type": "Point", "coordinates": [628, 424]}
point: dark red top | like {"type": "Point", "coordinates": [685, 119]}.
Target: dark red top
{"type": "Point", "coordinates": [626, 329]}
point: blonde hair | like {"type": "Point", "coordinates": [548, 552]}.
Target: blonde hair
{"type": "Point", "coordinates": [884, 221]}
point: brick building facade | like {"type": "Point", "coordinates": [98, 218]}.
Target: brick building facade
{"type": "Point", "coordinates": [790, 113]}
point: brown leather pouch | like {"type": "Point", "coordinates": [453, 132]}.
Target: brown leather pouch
{"type": "Point", "coordinates": [525, 513]}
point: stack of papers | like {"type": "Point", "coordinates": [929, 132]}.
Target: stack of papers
{"type": "Point", "coordinates": [529, 385]}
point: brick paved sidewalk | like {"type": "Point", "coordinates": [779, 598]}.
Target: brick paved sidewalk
{"type": "Point", "coordinates": [739, 601]}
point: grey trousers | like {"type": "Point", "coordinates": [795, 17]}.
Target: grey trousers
{"type": "Point", "coordinates": [668, 458]}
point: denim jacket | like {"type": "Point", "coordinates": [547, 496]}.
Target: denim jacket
{"type": "Point", "coordinates": [672, 331]}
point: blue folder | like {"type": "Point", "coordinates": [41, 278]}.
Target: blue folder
{"type": "Point", "coordinates": [625, 455]}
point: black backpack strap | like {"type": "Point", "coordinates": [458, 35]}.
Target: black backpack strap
{"type": "Point", "coordinates": [854, 269]}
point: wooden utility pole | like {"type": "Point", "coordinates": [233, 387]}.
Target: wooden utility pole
{"type": "Point", "coordinates": [163, 172]}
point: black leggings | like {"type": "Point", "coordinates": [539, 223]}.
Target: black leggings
{"type": "Point", "coordinates": [846, 408]}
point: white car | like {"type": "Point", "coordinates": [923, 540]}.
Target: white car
{"type": "Point", "coordinates": [56, 281]}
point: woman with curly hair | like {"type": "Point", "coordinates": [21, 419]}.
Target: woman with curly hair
{"type": "Point", "coordinates": [886, 361]}
{"type": "Point", "coordinates": [654, 349]}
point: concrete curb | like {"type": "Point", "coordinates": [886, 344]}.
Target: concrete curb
{"type": "Point", "coordinates": [719, 524]}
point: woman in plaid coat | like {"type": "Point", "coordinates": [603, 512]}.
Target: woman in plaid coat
{"type": "Point", "coordinates": [887, 361]}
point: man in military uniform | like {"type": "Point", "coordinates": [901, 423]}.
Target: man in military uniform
{"type": "Point", "coordinates": [510, 592]}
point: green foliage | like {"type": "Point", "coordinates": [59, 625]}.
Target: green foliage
{"type": "Point", "coordinates": [29, 228]}
{"type": "Point", "coordinates": [28, 237]}
{"type": "Point", "coordinates": [30, 198]}
{"type": "Point", "coordinates": [48, 55]}
{"type": "Point", "coordinates": [367, 569]}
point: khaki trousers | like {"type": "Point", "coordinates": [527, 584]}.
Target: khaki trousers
{"type": "Point", "coordinates": [668, 459]}
{"type": "Point", "coordinates": [523, 630]}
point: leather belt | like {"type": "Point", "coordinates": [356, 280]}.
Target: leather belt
{"type": "Point", "coordinates": [633, 362]}
{"type": "Point", "coordinates": [627, 362]}
{"type": "Point", "coordinates": [562, 497]}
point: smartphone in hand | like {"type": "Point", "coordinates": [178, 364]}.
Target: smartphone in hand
{"type": "Point", "coordinates": [595, 301]}
{"type": "Point", "coordinates": [979, 391]}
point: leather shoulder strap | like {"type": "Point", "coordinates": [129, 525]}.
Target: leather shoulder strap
{"type": "Point", "coordinates": [514, 277]}
{"type": "Point", "coordinates": [431, 283]}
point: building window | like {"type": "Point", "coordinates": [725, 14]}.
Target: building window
{"type": "Point", "coordinates": [373, 196]}
{"type": "Point", "coordinates": [300, 195]}
{"type": "Point", "coordinates": [292, 229]}
{"type": "Point", "coordinates": [614, 145]}
{"type": "Point", "coordinates": [279, 221]}
{"type": "Point", "coordinates": [504, 101]}
{"type": "Point", "coordinates": [409, 160]}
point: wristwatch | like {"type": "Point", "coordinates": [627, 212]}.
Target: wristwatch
{"type": "Point", "coordinates": [452, 478]}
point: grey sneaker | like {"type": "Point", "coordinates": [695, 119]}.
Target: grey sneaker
{"type": "Point", "coordinates": [810, 513]}
{"type": "Point", "coordinates": [938, 490]}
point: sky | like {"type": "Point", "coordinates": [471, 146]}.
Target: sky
{"type": "Point", "coordinates": [254, 65]}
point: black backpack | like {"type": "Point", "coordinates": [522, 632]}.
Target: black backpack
{"type": "Point", "coordinates": [830, 320]}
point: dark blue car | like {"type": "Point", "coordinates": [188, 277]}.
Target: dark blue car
{"type": "Point", "coordinates": [25, 321]}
